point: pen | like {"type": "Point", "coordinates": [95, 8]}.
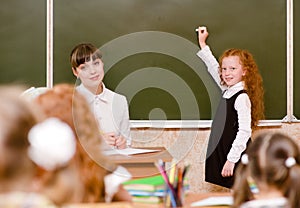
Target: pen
{"type": "Point", "coordinates": [116, 136]}
{"type": "Point", "coordinates": [186, 168]}
{"type": "Point", "coordinates": [114, 146]}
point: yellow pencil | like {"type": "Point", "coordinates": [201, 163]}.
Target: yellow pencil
{"type": "Point", "coordinates": [171, 179]}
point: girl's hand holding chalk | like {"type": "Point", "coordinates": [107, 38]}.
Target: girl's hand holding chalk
{"type": "Point", "coordinates": [202, 29]}
{"type": "Point", "coordinates": [202, 36]}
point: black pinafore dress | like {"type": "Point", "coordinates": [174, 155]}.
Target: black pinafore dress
{"type": "Point", "coordinates": [223, 132]}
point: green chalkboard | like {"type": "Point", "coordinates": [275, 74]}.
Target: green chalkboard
{"type": "Point", "coordinates": [149, 48]}
{"type": "Point", "coordinates": [23, 42]}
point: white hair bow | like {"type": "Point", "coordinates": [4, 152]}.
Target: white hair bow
{"type": "Point", "coordinates": [52, 144]}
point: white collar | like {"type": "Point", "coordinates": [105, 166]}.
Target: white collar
{"type": "Point", "coordinates": [91, 96]}
{"type": "Point", "coordinates": [230, 91]}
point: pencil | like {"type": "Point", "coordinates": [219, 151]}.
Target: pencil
{"type": "Point", "coordinates": [166, 179]}
{"type": "Point", "coordinates": [171, 178]}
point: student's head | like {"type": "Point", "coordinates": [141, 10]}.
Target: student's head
{"type": "Point", "coordinates": [52, 149]}
{"type": "Point", "coordinates": [26, 147]}
{"type": "Point", "coordinates": [16, 120]}
{"type": "Point", "coordinates": [64, 102]}
{"type": "Point", "coordinates": [272, 165]}
{"type": "Point", "coordinates": [239, 65]}
{"type": "Point", "coordinates": [236, 65]}
{"type": "Point", "coordinates": [87, 65]}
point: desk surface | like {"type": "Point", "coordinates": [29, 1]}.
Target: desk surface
{"type": "Point", "coordinates": [189, 199]}
{"type": "Point", "coordinates": [142, 165]}
{"type": "Point", "coordinates": [149, 157]}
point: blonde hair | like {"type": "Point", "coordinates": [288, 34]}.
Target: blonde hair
{"type": "Point", "coordinates": [253, 82]}
{"type": "Point", "coordinates": [267, 164]}
{"type": "Point", "coordinates": [16, 119]}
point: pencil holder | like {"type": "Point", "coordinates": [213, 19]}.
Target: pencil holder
{"type": "Point", "coordinates": [174, 181]}
{"type": "Point", "coordinates": [173, 200]}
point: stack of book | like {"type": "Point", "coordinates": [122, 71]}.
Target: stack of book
{"type": "Point", "coordinates": [146, 190]}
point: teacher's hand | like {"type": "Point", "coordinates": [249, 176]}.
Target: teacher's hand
{"type": "Point", "coordinates": [120, 142]}
{"type": "Point", "coordinates": [114, 140]}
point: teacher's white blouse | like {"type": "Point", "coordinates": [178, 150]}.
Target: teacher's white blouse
{"type": "Point", "coordinates": [110, 110]}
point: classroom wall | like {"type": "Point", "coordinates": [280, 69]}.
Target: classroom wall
{"type": "Point", "coordinates": [189, 145]}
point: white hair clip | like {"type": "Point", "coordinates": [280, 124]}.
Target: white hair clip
{"type": "Point", "coordinates": [245, 159]}
{"type": "Point", "coordinates": [289, 162]}
{"type": "Point", "coordinates": [52, 144]}
{"type": "Point", "coordinates": [33, 92]}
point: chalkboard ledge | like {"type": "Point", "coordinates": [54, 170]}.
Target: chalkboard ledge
{"type": "Point", "coordinates": [203, 124]}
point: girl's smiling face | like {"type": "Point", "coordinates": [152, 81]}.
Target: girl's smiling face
{"type": "Point", "coordinates": [90, 73]}
{"type": "Point", "coordinates": [232, 71]}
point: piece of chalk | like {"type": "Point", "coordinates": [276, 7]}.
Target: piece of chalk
{"type": "Point", "coordinates": [197, 30]}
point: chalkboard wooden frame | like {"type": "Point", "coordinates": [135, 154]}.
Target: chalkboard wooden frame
{"type": "Point", "coordinates": [290, 68]}
{"type": "Point", "coordinates": [288, 118]}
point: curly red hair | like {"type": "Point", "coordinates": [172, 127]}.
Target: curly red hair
{"type": "Point", "coordinates": [65, 103]}
{"type": "Point", "coordinates": [253, 82]}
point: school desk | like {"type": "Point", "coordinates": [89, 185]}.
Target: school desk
{"type": "Point", "coordinates": [142, 165]}
{"type": "Point", "coordinates": [190, 198]}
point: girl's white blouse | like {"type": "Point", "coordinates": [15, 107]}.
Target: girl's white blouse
{"type": "Point", "coordinates": [242, 105]}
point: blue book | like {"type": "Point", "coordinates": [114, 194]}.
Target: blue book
{"type": "Point", "coordinates": [160, 193]}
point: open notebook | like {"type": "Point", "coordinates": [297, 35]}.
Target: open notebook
{"type": "Point", "coordinates": [214, 201]}
{"type": "Point", "coordinates": [128, 151]}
